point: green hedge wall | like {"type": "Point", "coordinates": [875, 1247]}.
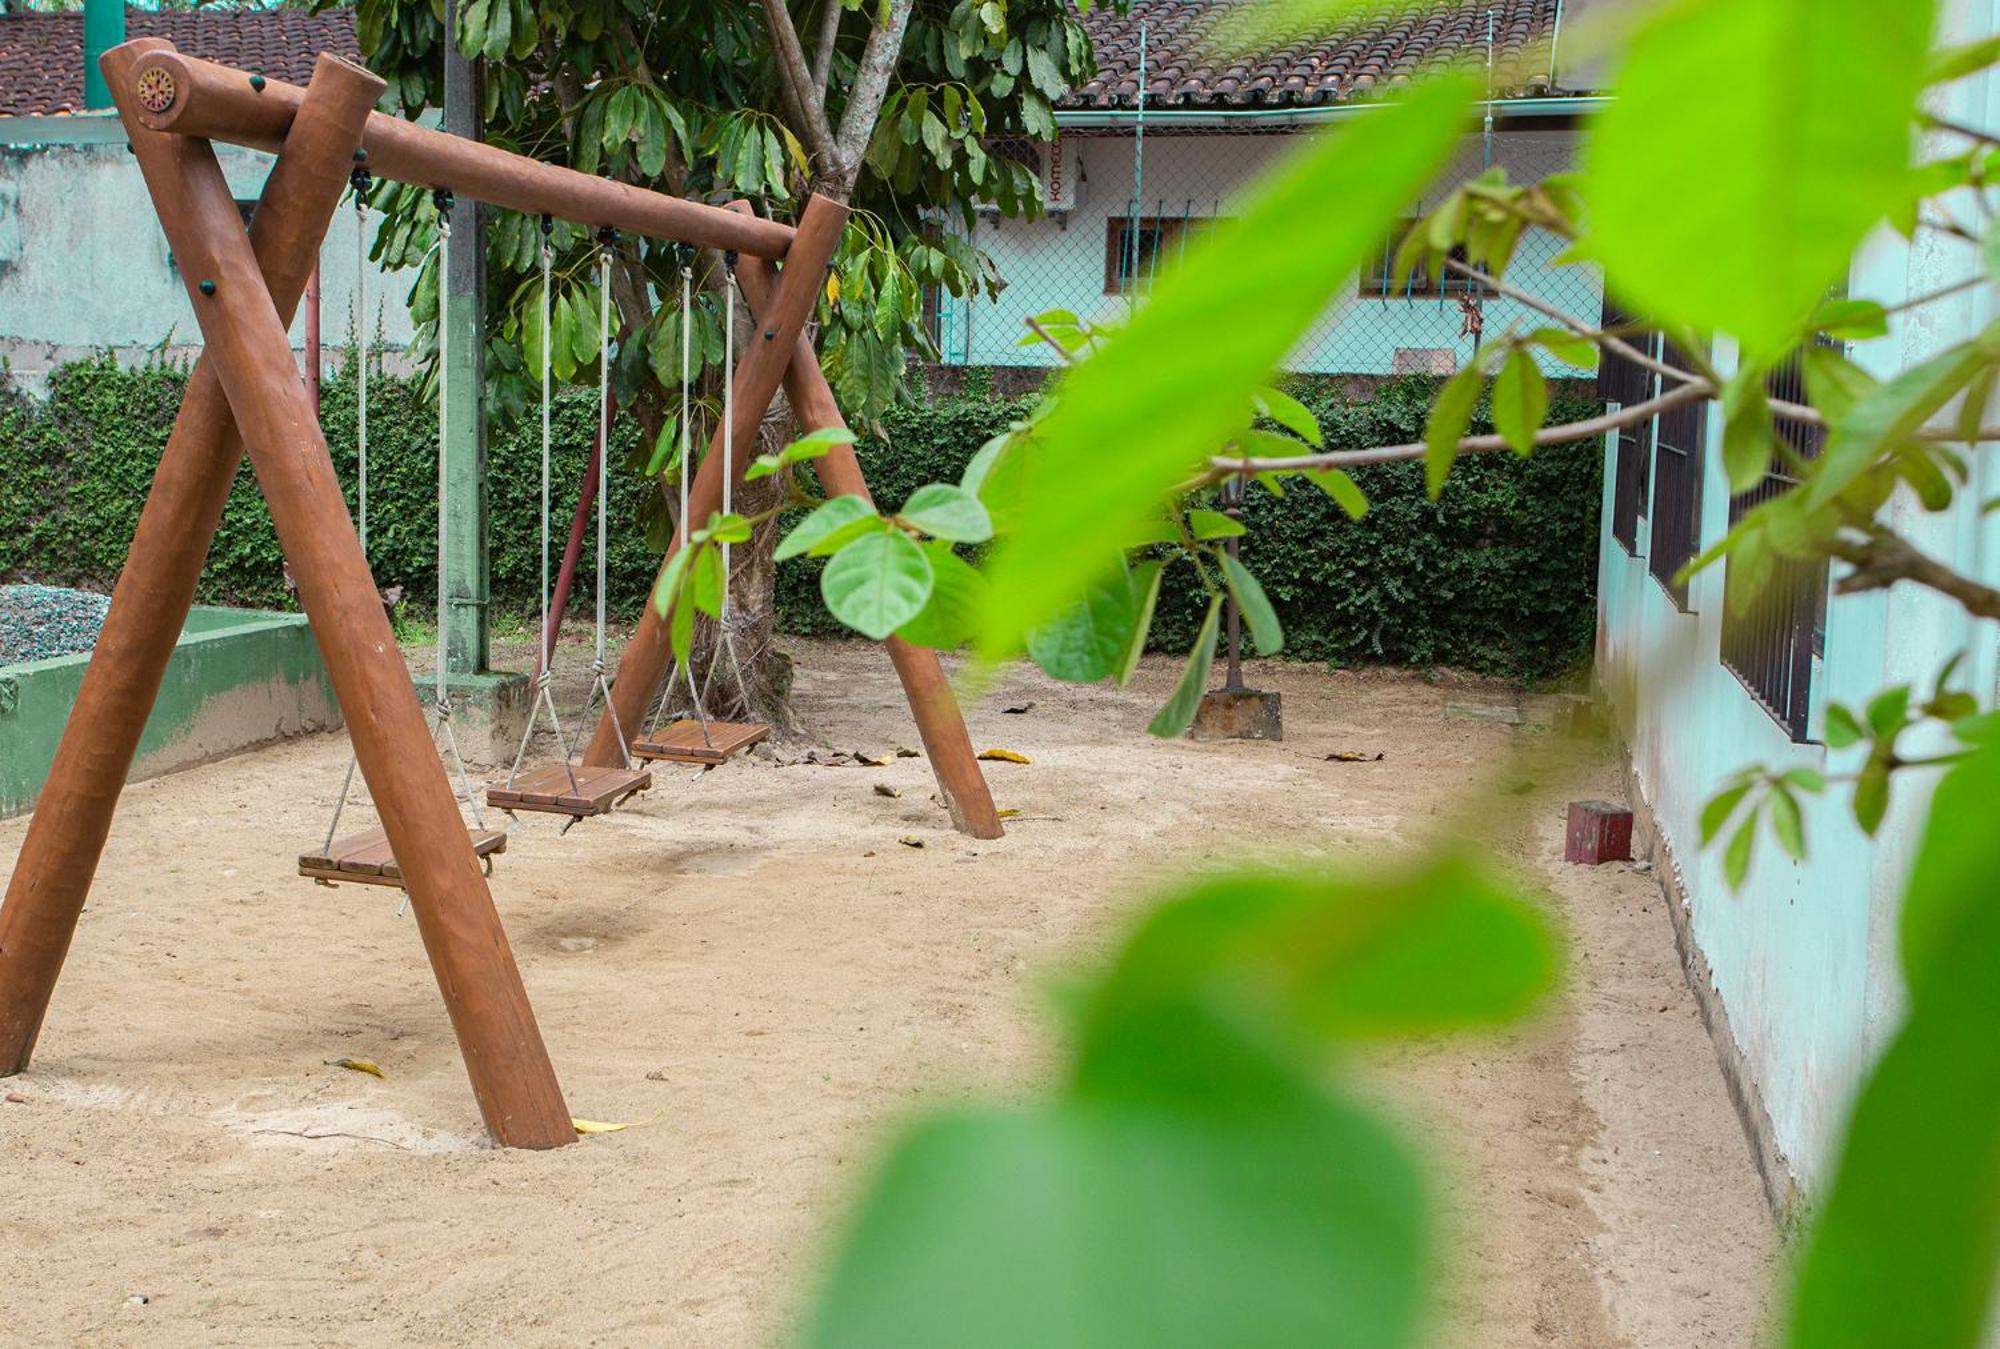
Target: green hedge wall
{"type": "Point", "coordinates": [1495, 578]}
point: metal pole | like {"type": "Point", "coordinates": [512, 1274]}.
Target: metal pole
{"type": "Point", "coordinates": [1232, 495]}
{"type": "Point", "coordinates": [463, 631]}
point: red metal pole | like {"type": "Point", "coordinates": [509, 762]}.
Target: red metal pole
{"type": "Point", "coordinates": [579, 524]}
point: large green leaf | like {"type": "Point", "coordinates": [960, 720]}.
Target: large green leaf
{"type": "Point", "coordinates": [1132, 419]}
{"type": "Point", "coordinates": [1255, 606]}
{"type": "Point", "coordinates": [950, 618]}
{"type": "Point", "coordinates": [1258, 1211]}
{"type": "Point", "coordinates": [829, 518]}
{"type": "Point", "coordinates": [877, 583]}
{"type": "Point", "coordinates": [1750, 146]}
{"type": "Point", "coordinates": [1088, 642]}
{"type": "Point", "coordinates": [1904, 1248]}
{"type": "Point", "coordinates": [948, 512]}
{"type": "Point", "coordinates": [1178, 714]}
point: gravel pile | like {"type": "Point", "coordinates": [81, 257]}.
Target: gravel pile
{"type": "Point", "coordinates": [38, 622]}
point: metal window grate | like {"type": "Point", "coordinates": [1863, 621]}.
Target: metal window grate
{"type": "Point", "coordinates": [1770, 645]}
{"type": "Point", "coordinates": [1625, 382]}
{"type": "Point", "coordinates": [1677, 462]}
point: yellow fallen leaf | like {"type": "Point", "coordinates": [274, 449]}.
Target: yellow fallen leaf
{"type": "Point", "coordinates": [1004, 756]}
{"type": "Point", "coordinates": [598, 1126]}
{"type": "Point", "coordinates": [884, 789]}
{"type": "Point", "coordinates": [368, 1066]}
{"type": "Point", "coordinates": [910, 841]}
{"type": "Point", "coordinates": [869, 760]}
{"type": "Point", "coordinates": [1009, 813]}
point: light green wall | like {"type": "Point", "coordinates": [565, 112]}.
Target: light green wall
{"type": "Point", "coordinates": [237, 678]}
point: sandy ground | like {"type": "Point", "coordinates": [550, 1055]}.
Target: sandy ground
{"type": "Point", "coordinates": [752, 963]}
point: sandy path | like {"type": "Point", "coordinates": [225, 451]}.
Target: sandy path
{"type": "Point", "coordinates": [753, 961]}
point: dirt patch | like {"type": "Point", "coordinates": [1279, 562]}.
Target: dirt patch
{"type": "Point", "coordinates": [750, 966]}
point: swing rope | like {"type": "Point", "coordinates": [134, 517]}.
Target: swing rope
{"type": "Point", "coordinates": [442, 197]}
{"type": "Point", "coordinates": [725, 638]}
{"type": "Point", "coordinates": [607, 238]}
{"type": "Point", "coordinates": [680, 669]}
{"type": "Point", "coordinates": [544, 699]}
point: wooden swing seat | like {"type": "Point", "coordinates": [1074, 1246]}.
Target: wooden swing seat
{"type": "Point", "coordinates": [366, 859]}
{"type": "Point", "coordinates": [684, 742]}
{"type": "Point", "coordinates": [551, 791]}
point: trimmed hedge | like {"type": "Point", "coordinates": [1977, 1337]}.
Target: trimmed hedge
{"type": "Point", "coordinates": [1496, 577]}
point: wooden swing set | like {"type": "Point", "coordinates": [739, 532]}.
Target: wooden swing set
{"type": "Point", "coordinates": [246, 393]}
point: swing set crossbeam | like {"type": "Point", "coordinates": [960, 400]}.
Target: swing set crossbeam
{"type": "Point", "coordinates": [193, 97]}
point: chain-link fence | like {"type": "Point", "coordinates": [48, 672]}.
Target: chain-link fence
{"type": "Point", "coordinates": [1124, 207]}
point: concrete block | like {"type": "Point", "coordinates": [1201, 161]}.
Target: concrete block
{"type": "Point", "coordinates": [488, 713]}
{"type": "Point", "coordinates": [1239, 714]}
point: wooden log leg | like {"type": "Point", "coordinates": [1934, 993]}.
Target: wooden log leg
{"type": "Point", "coordinates": [947, 743]}
{"type": "Point", "coordinates": [65, 839]}
{"type": "Point", "coordinates": [504, 1054]}
{"type": "Point", "coordinates": [648, 656]}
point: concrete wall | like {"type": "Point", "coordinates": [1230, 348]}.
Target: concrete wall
{"type": "Point", "coordinates": [1058, 262]}
{"type": "Point", "coordinates": [84, 265]}
{"type": "Point", "coordinates": [238, 678]}
{"type": "Point", "coordinates": [1803, 960]}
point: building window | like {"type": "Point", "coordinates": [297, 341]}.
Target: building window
{"type": "Point", "coordinates": [1772, 643]}
{"type": "Point", "coordinates": [1378, 278]}
{"type": "Point", "coordinates": [1625, 382]}
{"type": "Point", "coordinates": [1136, 247]}
{"type": "Point", "coordinates": [1677, 460]}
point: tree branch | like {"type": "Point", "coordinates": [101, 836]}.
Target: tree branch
{"type": "Point", "coordinates": [796, 86]}
{"type": "Point", "coordinates": [829, 36]}
{"type": "Point", "coordinates": [1222, 467]}
{"type": "Point", "coordinates": [1881, 558]}
{"type": "Point", "coordinates": [871, 85]}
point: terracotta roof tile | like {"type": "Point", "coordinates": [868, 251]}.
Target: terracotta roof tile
{"type": "Point", "coordinates": [1188, 66]}
{"type": "Point", "coordinates": [41, 55]}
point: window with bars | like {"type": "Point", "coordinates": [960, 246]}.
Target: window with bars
{"type": "Point", "coordinates": [1771, 644]}
{"type": "Point", "coordinates": [1625, 382]}
{"type": "Point", "coordinates": [1136, 247]}
{"type": "Point", "coordinates": [1676, 505]}
{"type": "Point", "coordinates": [1378, 276]}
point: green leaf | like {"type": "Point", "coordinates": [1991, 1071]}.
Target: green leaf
{"type": "Point", "coordinates": [1255, 606]}
{"type": "Point", "coordinates": [1306, 1210]}
{"type": "Point", "coordinates": [1566, 346]}
{"type": "Point", "coordinates": [1787, 824]}
{"type": "Point", "coordinates": [1799, 137]}
{"type": "Point", "coordinates": [666, 448]}
{"type": "Point", "coordinates": [1920, 1146]}
{"type": "Point", "coordinates": [947, 512]}
{"type": "Point", "coordinates": [814, 444]}
{"type": "Point", "coordinates": [1736, 857]}
{"type": "Point", "coordinates": [1955, 63]}
{"type": "Point", "coordinates": [666, 591]}
{"type": "Point", "coordinates": [1340, 485]}
{"type": "Point", "coordinates": [705, 580]}
{"type": "Point", "coordinates": [877, 583]}
{"type": "Point", "coordinates": [1145, 585]}
{"type": "Point", "coordinates": [1173, 719]}
{"type": "Point", "coordinates": [831, 516]}
{"type": "Point", "coordinates": [1748, 441]}
{"type": "Point", "coordinates": [1888, 711]}
{"type": "Point", "coordinates": [1088, 641]}
{"type": "Point", "coordinates": [1871, 796]}
{"type": "Point", "coordinates": [1842, 730]}
{"type": "Point", "coordinates": [1719, 808]}
{"type": "Point", "coordinates": [1207, 525]}
{"type": "Point", "coordinates": [1447, 423]}
{"type": "Point", "coordinates": [950, 618]}
{"type": "Point", "coordinates": [1520, 401]}
{"type": "Point", "coordinates": [1134, 417]}
{"type": "Point", "coordinates": [1382, 951]}
{"type": "Point", "coordinates": [1891, 414]}
{"type": "Point", "coordinates": [1289, 413]}
{"type": "Point", "coordinates": [1851, 320]}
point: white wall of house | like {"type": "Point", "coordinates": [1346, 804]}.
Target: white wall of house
{"type": "Point", "coordinates": [1803, 960]}
{"type": "Point", "coordinates": [1059, 261]}
{"type": "Point", "coordinates": [84, 266]}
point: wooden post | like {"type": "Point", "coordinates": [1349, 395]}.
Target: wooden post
{"type": "Point", "coordinates": [947, 743]}
{"type": "Point", "coordinates": [504, 1054]}
{"type": "Point", "coordinates": [648, 656]}
{"type": "Point", "coordinates": [66, 834]}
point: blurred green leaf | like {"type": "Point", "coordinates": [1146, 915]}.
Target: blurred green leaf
{"type": "Point", "coordinates": [1446, 427]}
{"type": "Point", "coordinates": [832, 516]}
{"type": "Point", "coordinates": [1520, 400]}
{"type": "Point", "coordinates": [1799, 138]}
{"type": "Point", "coordinates": [1087, 642]}
{"type": "Point", "coordinates": [948, 512]}
{"type": "Point", "coordinates": [1306, 229]}
{"type": "Point", "coordinates": [1255, 606]}
{"type": "Point", "coordinates": [1178, 714]}
{"type": "Point", "coordinates": [950, 617]}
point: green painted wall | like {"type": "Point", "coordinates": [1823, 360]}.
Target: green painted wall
{"type": "Point", "coordinates": [237, 678]}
